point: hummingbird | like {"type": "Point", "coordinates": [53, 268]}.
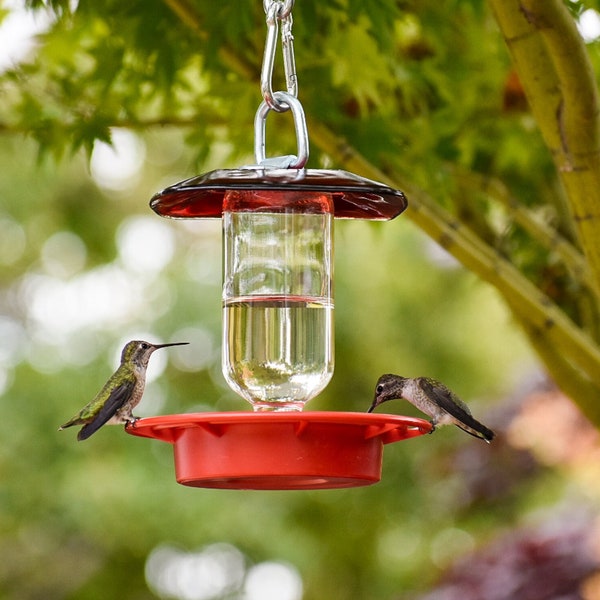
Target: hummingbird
{"type": "Point", "coordinates": [114, 403]}
{"type": "Point", "coordinates": [434, 399]}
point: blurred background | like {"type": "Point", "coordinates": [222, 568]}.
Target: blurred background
{"type": "Point", "coordinates": [86, 266]}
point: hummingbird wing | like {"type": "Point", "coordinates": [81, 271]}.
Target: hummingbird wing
{"type": "Point", "coordinates": [115, 401]}
{"type": "Point", "coordinates": [456, 408]}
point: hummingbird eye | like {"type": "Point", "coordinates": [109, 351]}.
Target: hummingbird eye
{"type": "Point", "coordinates": [144, 346]}
{"type": "Point", "coordinates": [379, 388]}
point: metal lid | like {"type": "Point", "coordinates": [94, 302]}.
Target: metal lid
{"type": "Point", "coordinates": [354, 197]}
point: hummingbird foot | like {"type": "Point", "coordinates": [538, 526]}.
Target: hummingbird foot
{"type": "Point", "coordinates": [432, 427]}
{"type": "Point", "coordinates": [131, 421]}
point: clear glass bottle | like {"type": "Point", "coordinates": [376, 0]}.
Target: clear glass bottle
{"type": "Point", "coordinates": [277, 296]}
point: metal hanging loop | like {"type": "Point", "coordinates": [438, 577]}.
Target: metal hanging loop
{"type": "Point", "coordinates": [285, 7]}
{"type": "Point", "coordinates": [289, 61]}
{"type": "Point", "coordinates": [282, 162]}
{"type": "Point", "coordinates": [278, 10]}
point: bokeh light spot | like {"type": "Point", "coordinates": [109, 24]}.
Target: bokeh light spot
{"type": "Point", "coordinates": [117, 167]}
{"type": "Point", "coordinates": [12, 241]}
{"type": "Point", "coordinates": [63, 254]}
{"type": "Point", "coordinates": [145, 244]}
{"type": "Point", "coordinates": [273, 581]}
{"type": "Point", "coordinates": [209, 573]}
{"type": "Point", "coordinates": [589, 25]}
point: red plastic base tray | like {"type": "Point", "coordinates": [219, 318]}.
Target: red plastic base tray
{"type": "Point", "coordinates": [279, 451]}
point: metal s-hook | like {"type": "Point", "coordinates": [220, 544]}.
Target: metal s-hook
{"type": "Point", "coordinates": [284, 9]}
{"type": "Point", "coordinates": [289, 61]}
{"type": "Point", "coordinates": [282, 162]}
{"type": "Point", "coordinates": [278, 10]}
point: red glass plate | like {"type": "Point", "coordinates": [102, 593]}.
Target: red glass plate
{"type": "Point", "coordinates": [354, 197]}
{"type": "Point", "coordinates": [279, 451]}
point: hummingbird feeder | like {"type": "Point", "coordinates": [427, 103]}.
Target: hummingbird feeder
{"type": "Point", "coordinates": [277, 347]}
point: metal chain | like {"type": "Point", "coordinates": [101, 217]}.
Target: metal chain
{"type": "Point", "coordinates": [280, 10]}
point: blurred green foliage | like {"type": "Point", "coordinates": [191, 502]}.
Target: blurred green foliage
{"type": "Point", "coordinates": [85, 266]}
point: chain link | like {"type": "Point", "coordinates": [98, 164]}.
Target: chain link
{"type": "Point", "coordinates": [280, 10]}
{"type": "Point", "coordinates": [283, 162]}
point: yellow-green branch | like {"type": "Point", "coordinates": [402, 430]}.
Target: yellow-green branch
{"type": "Point", "coordinates": [555, 71]}
{"type": "Point", "coordinates": [541, 314]}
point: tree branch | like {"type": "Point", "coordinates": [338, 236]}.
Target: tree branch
{"type": "Point", "coordinates": [556, 74]}
{"type": "Point", "coordinates": [536, 309]}
{"type": "Point", "coordinates": [191, 19]}
{"type": "Point", "coordinates": [545, 235]}
{"type": "Point", "coordinates": [569, 378]}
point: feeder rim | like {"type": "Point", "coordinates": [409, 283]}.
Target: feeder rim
{"type": "Point", "coordinates": [375, 424]}
{"type": "Point", "coordinates": [354, 197]}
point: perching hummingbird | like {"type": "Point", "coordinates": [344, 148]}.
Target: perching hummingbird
{"type": "Point", "coordinates": [114, 403]}
{"type": "Point", "coordinates": [434, 399]}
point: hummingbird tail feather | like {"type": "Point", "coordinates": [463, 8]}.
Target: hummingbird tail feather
{"type": "Point", "coordinates": [476, 429]}
{"type": "Point", "coordinates": [73, 421]}
{"type": "Point", "coordinates": [85, 433]}
{"type": "Point", "coordinates": [87, 430]}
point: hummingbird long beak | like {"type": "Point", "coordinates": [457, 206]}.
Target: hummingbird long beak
{"type": "Point", "coordinates": [373, 406]}
{"type": "Point", "coordinates": [156, 346]}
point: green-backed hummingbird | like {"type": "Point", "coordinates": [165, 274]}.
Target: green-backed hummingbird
{"type": "Point", "coordinates": [434, 399]}
{"type": "Point", "coordinates": [115, 402]}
